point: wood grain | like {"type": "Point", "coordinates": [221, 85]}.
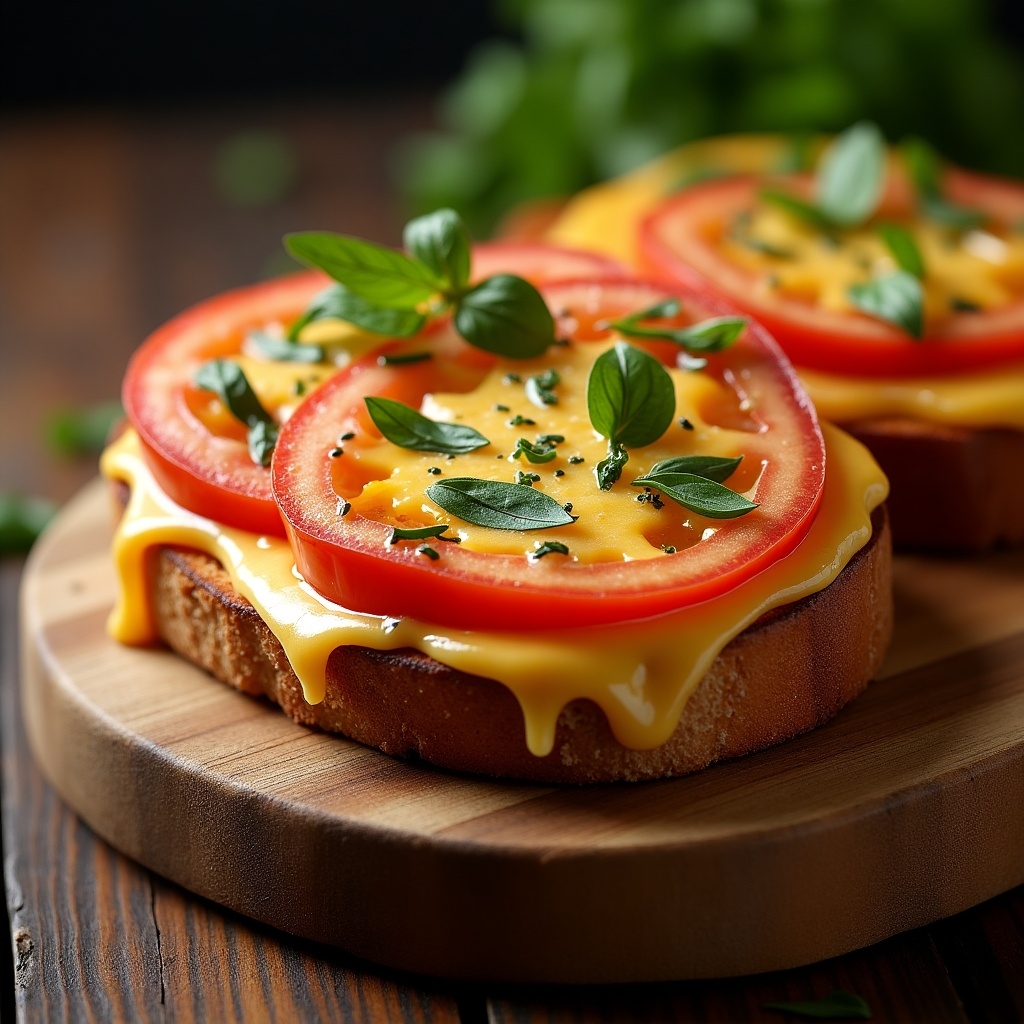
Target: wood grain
{"type": "Point", "coordinates": [890, 817]}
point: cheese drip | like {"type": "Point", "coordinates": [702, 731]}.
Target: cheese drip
{"type": "Point", "coordinates": [639, 673]}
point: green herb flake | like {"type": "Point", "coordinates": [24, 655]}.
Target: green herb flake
{"type": "Point", "coordinates": [552, 439]}
{"type": "Point", "coordinates": [426, 549]}
{"type": "Point", "coordinates": [540, 389]}
{"type": "Point", "coordinates": [896, 298]}
{"type": "Point", "coordinates": [347, 436]}
{"type": "Point", "coordinates": [336, 453]}
{"type": "Point", "coordinates": [281, 350]}
{"type": "Point", "coordinates": [525, 479]}
{"type": "Point", "coordinates": [404, 426]}
{"type": "Point", "coordinates": [404, 359]}
{"type": "Point", "coordinates": [535, 453]}
{"type": "Point", "coordinates": [502, 408]}
{"type": "Point", "coordinates": [686, 424]}
{"type": "Point", "coordinates": [575, 460]}
{"type": "Point", "coordinates": [498, 505]}
{"type": "Point", "coordinates": [559, 472]}
{"type": "Point", "coordinates": [959, 305]}
{"type": "Point", "coordinates": [836, 1005]}
{"type": "Point", "coordinates": [669, 549]}
{"type": "Point", "coordinates": [417, 532]}
{"type": "Point", "coordinates": [521, 421]}
{"type": "Point", "coordinates": [549, 547]}
{"type": "Point", "coordinates": [434, 470]}
{"type": "Point", "coordinates": [511, 378]}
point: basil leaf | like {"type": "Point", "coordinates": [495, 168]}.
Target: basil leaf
{"type": "Point", "coordinates": [416, 532]}
{"type": "Point", "coordinates": [630, 396]}
{"type": "Point", "coordinates": [229, 383]}
{"type": "Point", "coordinates": [711, 466]}
{"type": "Point", "coordinates": [711, 335]}
{"type": "Point", "coordinates": [549, 547]}
{"type": "Point", "coordinates": [924, 168]}
{"type": "Point", "coordinates": [338, 303]}
{"type": "Point", "coordinates": [903, 248]}
{"type": "Point", "coordinates": [797, 207]}
{"type": "Point", "coordinates": [666, 308]}
{"type": "Point", "coordinates": [540, 389]}
{"type": "Point", "coordinates": [261, 438]}
{"type": "Point", "coordinates": [837, 1005]}
{"type": "Point", "coordinates": [609, 469]}
{"type": "Point", "coordinates": [505, 315]}
{"type": "Point", "coordinates": [404, 426]}
{"type": "Point", "coordinates": [952, 215]}
{"type": "Point", "coordinates": [440, 241]}
{"type": "Point", "coordinates": [278, 349]}
{"type": "Point", "coordinates": [851, 175]}
{"type": "Point", "coordinates": [382, 276]}
{"type": "Point", "coordinates": [897, 298]}
{"type": "Point", "coordinates": [535, 453]}
{"type": "Point", "coordinates": [498, 505]}
{"type": "Point", "coordinates": [698, 494]}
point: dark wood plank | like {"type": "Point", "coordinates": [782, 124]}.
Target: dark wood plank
{"type": "Point", "coordinates": [96, 937]}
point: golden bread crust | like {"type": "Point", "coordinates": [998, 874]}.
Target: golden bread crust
{"type": "Point", "coordinates": [952, 488]}
{"type": "Point", "coordinates": [792, 670]}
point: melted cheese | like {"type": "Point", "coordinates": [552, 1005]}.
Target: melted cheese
{"type": "Point", "coordinates": [640, 673]}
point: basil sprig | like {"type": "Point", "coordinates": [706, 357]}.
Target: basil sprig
{"type": "Point", "coordinates": [695, 482]}
{"type": "Point", "coordinates": [897, 298]}
{"type": "Point", "coordinates": [228, 382]}
{"type": "Point", "coordinates": [924, 169]}
{"type": "Point", "coordinates": [848, 185]}
{"type": "Point", "coordinates": [710, 335]}
{"type": "Point", "coordinates": [498, 505]}
{"type": "Point", "coordinates": [404, 426]}
{"type": "Point", "coordinates": [283, 351]}
{"type": "Point", "coordinates": [903, 248]}
{"type": "Point", "coordinates": [383, 291]}
{"type": "Point", "coordinates": [631, 401]}
{"type": "Point", "coordinates": [835, 1006]}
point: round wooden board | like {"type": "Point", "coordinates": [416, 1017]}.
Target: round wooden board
{"type": "Point", "coordinates": [903, 810]}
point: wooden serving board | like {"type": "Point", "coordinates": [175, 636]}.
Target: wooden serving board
{"type": "Point", "coordinates": [905, 809]}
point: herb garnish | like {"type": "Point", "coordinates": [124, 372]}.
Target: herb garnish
{"type": "Point", "coordinates": [549, 547]}
{"type": "Point", "coordinates": [385, 291]}
{"type": "Point", "coordinates": [228, 382]}
{"type": "Point", "coordinates": [924, 169]}
{"type": "Point", "coordinates": [498, 505]}
{"type": "Point", "coordinates": [631, 400]}
{"type": "Point", "coordinates": [540, 389]}
{"type": "Point", "coordinates": [903, 248]}
{"type": "Point", "coordinates": [426, 549]}
{"type": "Point", "coordinates": [535, 453]}
{"type": "Point", "coordinates": [710, 335]}
{"type": "Point", "coordinates": [836, 1005]}
{"type": "Point", "coordinates": [897, 298]}
{"type": "Point", "coordinates": [404, 358]}
{"type": "Point", "coordinates": [281, 350]}
{"type": "Point", "coordinates": [416, 532]}
{"type": "Point", "coordinates": [695, 482]}
{"type": "Point", "coordinates": [404, 426]}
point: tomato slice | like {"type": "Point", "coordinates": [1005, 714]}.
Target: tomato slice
{"type": "Point", "coordinates": [347, 557]}
{"type": "Point", "coordinates": [541, 263]}
{"type": "Point", "coordinates": [683, 239]}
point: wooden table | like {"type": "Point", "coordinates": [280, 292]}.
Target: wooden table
{"type": "Point", "coordinates": [110, 226]}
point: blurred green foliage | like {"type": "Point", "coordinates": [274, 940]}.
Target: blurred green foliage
{"type": "Point", "coordinates": [599, 86]}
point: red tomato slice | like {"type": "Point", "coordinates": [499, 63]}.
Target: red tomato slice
{"type": "Point", "coordinates": [680, 240]}
{"type": "Point", "coordinates": [540, 263]}
{"type": "Point", "coordinates": [348, 558]}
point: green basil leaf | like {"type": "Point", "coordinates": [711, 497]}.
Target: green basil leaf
{"type": "Point", "coordinates": [261, 438]}
{"type": "Point", "coordinates": [441, 242]}
{"type": "Point", "coordinates": [21, 521]}
{"type": "Point", "coordinates": [549, 547]}
{"type": "Point", "coordinates": [903, 248]}
{"type": "Point", "coordinates": [952, 215]}
{"type": "Point", "coordinates": [338, 303]}
{"type": "Point", "coordinates": [799, 208]}
{"type": "Point", "coordinates": [540, 389]}
{"type": "Point", "coordinates": [851, 175]}
{"type": "Point", "coordinates": [836, 1005]}
{"type": "Point", "coordinates": [713, 467]}
{"type": "Point", "coordinates": [897, 298]}
{"type": "Point", "coordinates": [535, 453]}
{"type": "Point", "coordinates": [698, 494]}
{"type": "Point", "coordinates": [498, 505]}
{"type": "Point", "coordinates": [382, 276]}
{"type": "Point", "coordinates": [505, 315]}
{"type": "Point", "coordinates": [280, 350]}
{"type": "Point", "coordinates": [416, 532]}
{"type": "Point", "coordinates": [609, 469]}
{"type": "Point", "coordinates": [666, 308]}
{"type": "Point", "coordinates": [227, 381]}
{"type": "Point", "coordinates": [923, 166]}
{"type": "Point", "coordinates": [630, 396]}
{"type": "Point", "coordinates": [404, 426]}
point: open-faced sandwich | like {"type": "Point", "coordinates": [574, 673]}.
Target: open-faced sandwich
{"type": "Point", "coordinates": [592, 532]}
{"type": "Point", "coordinates": [894, 283]}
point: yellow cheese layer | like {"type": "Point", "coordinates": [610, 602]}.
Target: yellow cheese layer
{"type": "Point", "coordinates": [640, 673]}
{"type": "Point", "coordinates": [994, 398]}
